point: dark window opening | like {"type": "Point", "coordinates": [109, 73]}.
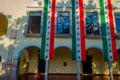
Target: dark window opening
{"type": "Point", "coordinates": [63, 23]}
{"type": "Point", "coordinates": [92, 25]}
{"type": "Point", "coordinates": [34, 23]}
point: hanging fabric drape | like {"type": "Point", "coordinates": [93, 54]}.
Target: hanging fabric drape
{"type": "Point", "coordinates": [47, 45]}
{"type": "Point", "coordinates": [109, 42]}
{"type": "Point", "coordinates": [78, 37]}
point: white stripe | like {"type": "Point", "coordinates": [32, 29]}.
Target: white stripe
{"type": "Point", "coordinates": [77, 18]}
{"type": "Point", "coordinates": [109, 43]}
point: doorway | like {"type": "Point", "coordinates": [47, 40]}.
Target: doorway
{"type": "Point", "coordinates": [87, 68]}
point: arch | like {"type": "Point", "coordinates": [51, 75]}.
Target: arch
{"type": "Point", "coordinates": [63, 62]}
{"type": "Point", "coordinates": [97, 48]}
{"type": "Point", "coordinates": [3, 24]}
{"type": "Point", "coordinates": [29, 62]}
{"type": "Point", "coordinates": [17, 56]}
{"type": "Point", "coordinates": [94, 60]}
{"type": "Point", "coordinates": [63, 45]}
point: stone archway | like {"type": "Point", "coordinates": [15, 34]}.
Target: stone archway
{"type": "Point", "coordinates": [3, 24]}
{"type": "Point", "coordinates": [62, 67]}
{"type": "Point", "coordinates": [29, 65]}
{"type": "Point", "coordinates": [92, 65]}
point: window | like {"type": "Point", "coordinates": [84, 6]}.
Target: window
{"type": "Point", "coordinates": [63, 23]}
{"type": "Point", "coordinates": [34, 23]}
{"type": "Point", "coordinates": [92, 26]}
{"type": "Point", "coordinates": [117, 22]}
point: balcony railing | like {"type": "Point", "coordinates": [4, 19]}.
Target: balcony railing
{"type": "Point", "coordinates": [93, 31]}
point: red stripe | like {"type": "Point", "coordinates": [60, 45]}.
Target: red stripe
{"type": "Point", "coordinates": [114, 49]}
{"type": "Point", "coordinates": [51, 54]}
{"type": "Point", "coordinates": [82, 32]}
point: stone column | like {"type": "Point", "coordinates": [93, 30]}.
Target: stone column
{"type": "Point", "coordinates": [14, 70]}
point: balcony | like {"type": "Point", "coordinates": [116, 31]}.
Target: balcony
{"type": "Point", "coordinates": [93, 31]}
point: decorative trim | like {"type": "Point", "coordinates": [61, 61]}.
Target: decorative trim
{"type": "Point", "coordinates": [117, 5]}
{"type": "Point", "coordinates": [64, 7]}
{"type": "Point", "coordinates": [34, 7]}
{"type": "Point", "coordinates": [90, 4]}
{"type": "Point", "coordinates": [63, 4]}
{"type": "Point", "coordinates": [94, 36]}
{"type": "Point", "coordinates": [63, 35]}
{"type": "Point", "coordinates": [17, 56]}
{"type": "Point", "coordinates": [36, 4]}
{"type": "Point", "coordinates": [33, 35]}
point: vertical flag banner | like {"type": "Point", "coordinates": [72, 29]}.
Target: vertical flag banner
{"type": "Point", "coordinates": [78, 37]}
{"type": "Point", "coordinates": [82, 31]}
{"type": "Point", "coordinates": [42, 51]}
{"type": "Point", "coordinates": [47, 45]}
{"type": "Point", "coordinates": [109, 43]}
{"type": "Point", "coordinates": [52, 25]}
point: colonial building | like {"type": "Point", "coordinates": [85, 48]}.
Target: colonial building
{"type": "Point", "coordinates": [60, 39]}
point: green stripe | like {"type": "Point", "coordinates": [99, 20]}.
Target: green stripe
{"type": "Point", "coordinates": [73, 31]}
{"type": "Point", "coordinates": [42, 52]}
{"type": "Point", "coordinates": [104, 34]}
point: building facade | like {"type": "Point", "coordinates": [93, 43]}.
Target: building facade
{"type": "Point", "coordinates": [22, 33]}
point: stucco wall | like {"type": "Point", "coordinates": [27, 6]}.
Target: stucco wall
{"type": "Point", "coordinates": [16, 12]}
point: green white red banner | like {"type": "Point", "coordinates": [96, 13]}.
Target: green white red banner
{"type": "Point", "coordinates": [78, 37]}
{"type": "Point", "coordinates": [47, 43]}
{"type": "Point", "coordinates": [109, 41]}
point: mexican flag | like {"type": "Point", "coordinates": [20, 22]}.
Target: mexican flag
{"type": "Point", "coordinates": [78, 34]}
{"type": "Point", "coordinates": [109, 42]}
{"type": "Point", "coordinates": [47, 43]}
